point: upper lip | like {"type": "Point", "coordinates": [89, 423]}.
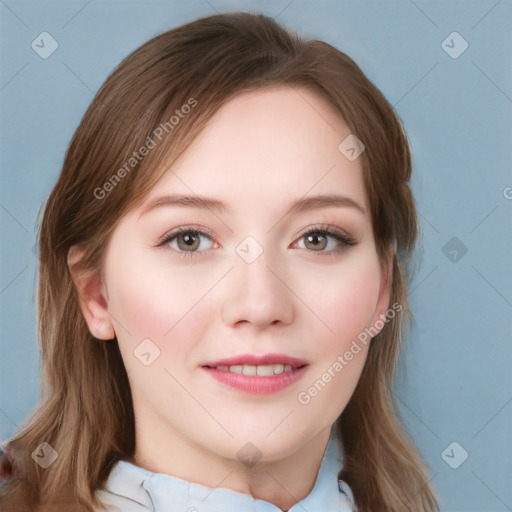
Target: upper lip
{"type": "Point", "coordinates": [257, 360]}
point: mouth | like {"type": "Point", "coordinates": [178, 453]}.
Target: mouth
{"type": "Point", "coordinates": [264, 370]}
{"type": "Point", "coordinates": [257, 374]}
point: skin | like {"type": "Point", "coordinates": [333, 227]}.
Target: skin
{"type": "Point", "coordinates": [261, 151]}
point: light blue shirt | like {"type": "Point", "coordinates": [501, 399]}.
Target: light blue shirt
{"type": "Point", "coordinates": [130, 488]}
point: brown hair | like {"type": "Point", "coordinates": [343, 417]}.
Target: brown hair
{"type": "Point", "coordinates": [86, 413]}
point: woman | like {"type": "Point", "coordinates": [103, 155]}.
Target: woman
{"type": "Point", "coordinates": [222, 287]}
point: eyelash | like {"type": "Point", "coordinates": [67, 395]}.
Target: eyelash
{"type": "Point", "coordinates": [324, 230]}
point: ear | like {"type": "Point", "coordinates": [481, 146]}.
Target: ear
{"type": "Point", "coordinates": [379, 317]}
{"type": "Point", "coordinates": [91, 296]}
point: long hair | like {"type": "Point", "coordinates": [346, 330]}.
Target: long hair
{"type": "Point", "coordinates": [160, 98]}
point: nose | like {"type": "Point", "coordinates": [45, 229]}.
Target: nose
{"type": "Point", "coordinates": [258, 294]}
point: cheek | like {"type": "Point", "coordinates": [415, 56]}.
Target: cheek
{"type": "Point", "coordinates": [148, 299]}
{"type": "Point", "coordinates": [140, 306]}
{"type": "Point", "coordinates": [344, 302]}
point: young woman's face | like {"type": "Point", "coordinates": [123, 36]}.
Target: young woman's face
{"type": "Point", "coordinates": [249, 283]}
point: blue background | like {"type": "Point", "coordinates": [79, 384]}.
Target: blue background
{"type": "Point", "coordinates": [457, 386]}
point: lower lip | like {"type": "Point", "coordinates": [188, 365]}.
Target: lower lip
{"type": "Point", "coordinates": [257, 385]}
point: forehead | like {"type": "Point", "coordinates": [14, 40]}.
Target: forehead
{"type": "Point", "coordinates": [270, 146]}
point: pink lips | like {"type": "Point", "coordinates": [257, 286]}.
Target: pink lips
{"type": "Point", "coordinates": [260, 385]}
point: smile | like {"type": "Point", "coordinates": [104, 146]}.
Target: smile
{"type": "Point", "coordinates": [257, 374]}
{"type": "Point", "coordinates": [264, 370]}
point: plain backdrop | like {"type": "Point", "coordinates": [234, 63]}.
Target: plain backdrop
{"type": "Point", "coordinates": [454, 95]}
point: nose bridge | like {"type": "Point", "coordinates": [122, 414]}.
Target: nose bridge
{"type": "Point", "coordinates": [257, 292]}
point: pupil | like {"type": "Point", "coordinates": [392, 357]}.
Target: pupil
{"type": "Point", "coordinates": [189, 240]}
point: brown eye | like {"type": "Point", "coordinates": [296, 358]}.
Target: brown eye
{"type": "Point", "coordinates": [316, 242]}
{"type": "Point", "coordinates": [188, 242]}
{"type": "Point", "coordinates": [326, 241]}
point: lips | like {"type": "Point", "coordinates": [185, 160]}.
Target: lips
{"type": "Point", "coordinates": [258, 374]}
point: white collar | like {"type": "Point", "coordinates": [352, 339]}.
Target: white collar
{"type": "Point", "coordinates": [160, 492]}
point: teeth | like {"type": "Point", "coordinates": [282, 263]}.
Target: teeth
{"type": "Point", "coordinates": [249, 369]}
{"type": "Point", "coordinates": [278, 368]}
{"type": "Point", "coordinates": [263, 370]}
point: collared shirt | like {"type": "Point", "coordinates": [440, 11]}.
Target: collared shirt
{"type": "Point", "coordinates": [130, 488]}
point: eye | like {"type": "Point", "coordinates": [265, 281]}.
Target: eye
{"type": "Point", "coordinates": [185, 241]}
{"type": "Point", "coordinates": [325, 240]}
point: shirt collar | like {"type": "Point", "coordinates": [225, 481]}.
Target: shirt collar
{"type": "Point", "coordinates": [164, 493]}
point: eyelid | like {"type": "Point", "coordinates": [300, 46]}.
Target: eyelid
{"type": "Point", "coordinates": [330, 230]}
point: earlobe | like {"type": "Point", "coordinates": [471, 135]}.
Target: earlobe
{"type": "Point", "coordinates": [92, 301]}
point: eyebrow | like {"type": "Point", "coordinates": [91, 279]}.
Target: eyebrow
{"type": "Point", "coordinates": [300, 205]}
